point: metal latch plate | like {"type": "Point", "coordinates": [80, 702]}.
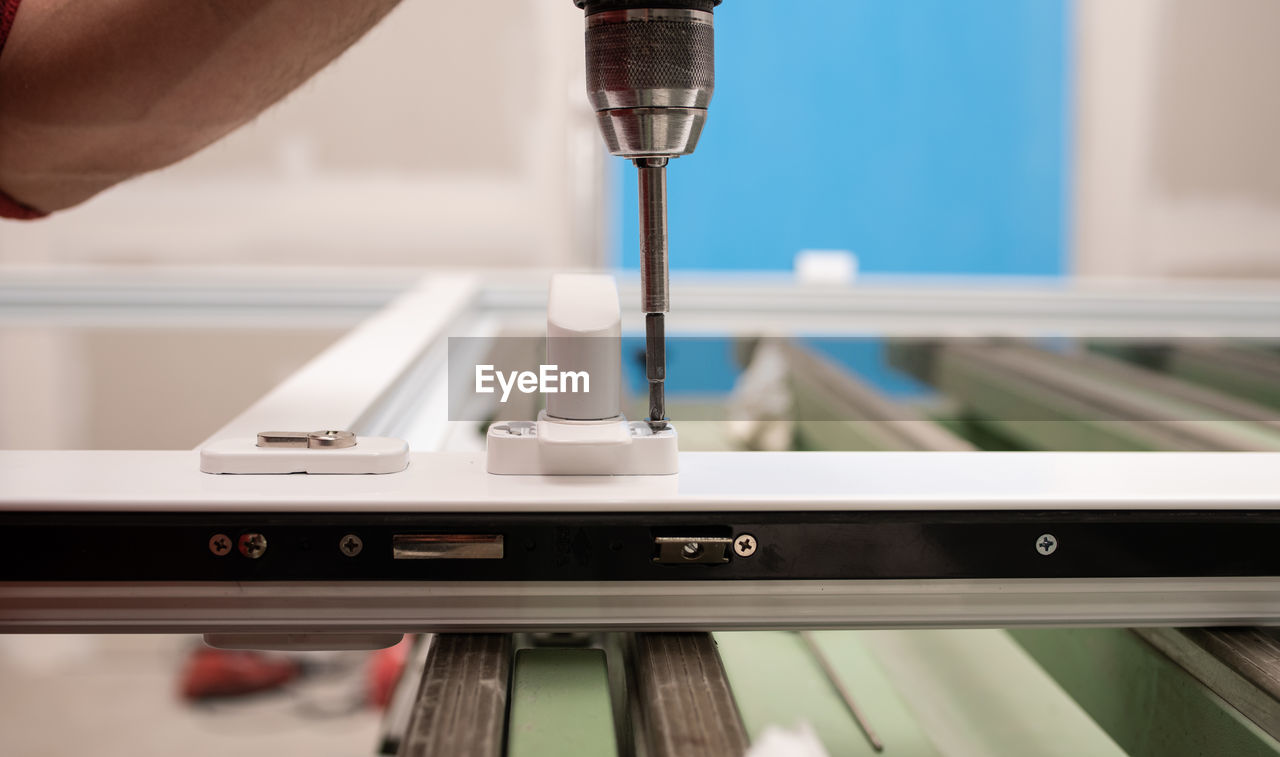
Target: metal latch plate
{"type": "Point", "coordinates": [365, 454]}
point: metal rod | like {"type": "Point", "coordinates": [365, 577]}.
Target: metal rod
{"type": "Point", "coordinates": [653, 234]}
{"type": "Point", "coordinates": [654, 298]}
{"type": "Point", "coordinates": [839, 686]}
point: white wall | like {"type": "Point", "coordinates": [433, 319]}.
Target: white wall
{"type": "Point", "coordinates": [455, 133]}
{"type": "Point", "coordinates": [63, 388]}
{"type": "Point", "coordinates": [1177, 169]}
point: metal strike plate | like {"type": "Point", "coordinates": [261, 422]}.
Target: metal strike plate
{"type": "Point", "coordinates": [319, 452]}
{"type": "Point", "coordinates": [307, 439]}
{"type": "Point", "coordinates": [446, 547]}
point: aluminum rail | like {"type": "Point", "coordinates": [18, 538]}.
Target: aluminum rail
{"type": "Point", "coordinates": [754, 304]}
{"type": "Point", "coordinates": [471, 606]}
{"type": "Point", "coordinates": [1248, 371]}
{"type": "Point", "coordinates": [195, 297]}
{"type": "Point", "coordinates": [730, 303]}
{"type": "Point", "coordinates": [1014, 386]}
{"type": "Point", "coordinates": [820, 388]}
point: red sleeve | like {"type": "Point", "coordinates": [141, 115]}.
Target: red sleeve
{"type": "Point", "coordinates": [9, 207]}
{"type": "Point", "coordinates": [8, 11]}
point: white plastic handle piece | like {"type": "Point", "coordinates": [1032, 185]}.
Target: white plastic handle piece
{"type": "Point", "coordinates": [584, 333]}
{"type": "Point", "coordinates": [583, 434]}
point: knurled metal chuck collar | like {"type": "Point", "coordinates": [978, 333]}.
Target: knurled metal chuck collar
{"type": "Point", "coordinates": [650, 73]}
{"type": "Point", "coordinates": [599, 6]}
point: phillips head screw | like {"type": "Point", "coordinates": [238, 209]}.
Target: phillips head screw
{"type": "Point", "coordinates": [351, 545]}
{"type": "Point", "coordinates": [252, 545]}
{"type": "Point", "coordinates": [220, 544]}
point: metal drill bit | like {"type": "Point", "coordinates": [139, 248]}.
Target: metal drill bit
{"type": "Point", "coordinates": [654, 300]}
{"type": "Point", "coordinates": [655, 364]}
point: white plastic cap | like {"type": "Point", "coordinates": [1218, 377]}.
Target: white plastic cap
{"type": "Point", "coordinates": [584, 331]}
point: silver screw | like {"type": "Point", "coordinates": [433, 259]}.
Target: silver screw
{"type": "Point", "coordinates": [220, 544]}
{"type": "Point", "coordinates": [1046, 544]}
{"type": "Point", "coordinates": [745, 545]}
{"type": "Point", "coordinates": [331, 439]}
{"type": "Point", "coordinates": [253, 545]}
{"type": "Point", "coordinates": [351, 545]}
{"type": "Point", "coordinates": [519, 428]}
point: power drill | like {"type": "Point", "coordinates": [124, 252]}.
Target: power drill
{"type": "Point", "coordinates": [650, 75]}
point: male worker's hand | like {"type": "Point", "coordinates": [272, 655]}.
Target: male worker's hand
{"type": "Point", "coordinates": [92, 93]}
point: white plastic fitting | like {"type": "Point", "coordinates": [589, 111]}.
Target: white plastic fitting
{"type": "Point", "coordinates": [584, 333]}
{"type": "Point", "coordinates": [371, 454]}
{"type": "Point", "coordinates": [583, 433]}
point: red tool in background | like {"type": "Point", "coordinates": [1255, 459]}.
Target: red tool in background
{"type": "Point", "coordinates": [215, 673]}
{"type": "Point", "coordinates": [212, 673]}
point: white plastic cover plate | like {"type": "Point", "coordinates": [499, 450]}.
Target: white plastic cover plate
{"type": "Point", "coordinates": [371, 454]}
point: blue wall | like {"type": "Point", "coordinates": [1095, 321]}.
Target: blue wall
{"type": "Point", "coordinates": [924, 135]}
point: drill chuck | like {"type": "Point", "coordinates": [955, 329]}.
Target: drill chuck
{"type": "Point", "coordinates": [650, 73]}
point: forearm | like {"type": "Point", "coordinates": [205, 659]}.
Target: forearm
{"type": "Point", "coordinates": [92, 93]}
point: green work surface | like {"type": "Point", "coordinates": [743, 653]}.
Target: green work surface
{"type": "Point", "coordinates": [1148, 704]}
{"type": "Point", "coordinates": [560, 704]}
{"type": "Point", "coordinates": [976, 692]}
{"type": "Point", "coordinates": [778, 682]}
{"type": "Point", "coordinates": [922, 692]}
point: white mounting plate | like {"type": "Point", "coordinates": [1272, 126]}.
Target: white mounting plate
{"type": "Point", "coordinates": [371, 454]}
{"type": "Point", "coordinates": [568, 448]}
